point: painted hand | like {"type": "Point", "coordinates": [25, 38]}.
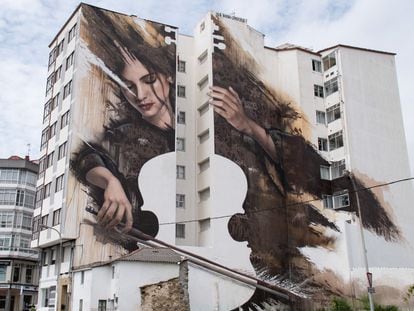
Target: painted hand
{"type": "Point", "coordinates": [116, 207]}
{"type": "Point", "coordinates": [227, 103]}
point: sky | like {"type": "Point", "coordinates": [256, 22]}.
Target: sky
{"type": "Point", "coordinates": [28, 26]}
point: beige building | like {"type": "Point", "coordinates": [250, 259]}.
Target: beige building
{"type": "Point", "coordinates": [18, 262]}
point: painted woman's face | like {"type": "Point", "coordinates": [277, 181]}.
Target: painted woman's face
{"type": "Point", "coordinates": [147, 92]}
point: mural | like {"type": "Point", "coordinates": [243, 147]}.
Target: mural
{"type": "Point", "coordinates": [126, 116]}
{"type": "Point", "coordinates": [266, 134]}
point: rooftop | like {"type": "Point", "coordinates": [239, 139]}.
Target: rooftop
{"type": "Point", "coordinates": [147, 254]}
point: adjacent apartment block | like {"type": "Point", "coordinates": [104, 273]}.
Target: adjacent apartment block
{"type": "Point", "coordinates": [255, 157]}
{"type": "Point", "coordinates": [18, 262]}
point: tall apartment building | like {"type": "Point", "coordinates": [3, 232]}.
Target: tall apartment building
{"type": "Point", "coordinates": [270, 195]}
{"type": "Point", "coordinates": [18, 262]}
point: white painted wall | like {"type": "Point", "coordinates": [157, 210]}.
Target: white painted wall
{"type": "Point", "coordinates": [129, 277]}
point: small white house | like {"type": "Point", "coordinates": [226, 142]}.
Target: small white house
{"type": "Point", "coordinates": [116, 284]}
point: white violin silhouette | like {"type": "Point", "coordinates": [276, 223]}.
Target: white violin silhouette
{"type": "Point", "coordinates": [228, 188]}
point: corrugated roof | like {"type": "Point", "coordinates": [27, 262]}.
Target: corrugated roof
{"type": "Point", "coordinates": [147, 254]}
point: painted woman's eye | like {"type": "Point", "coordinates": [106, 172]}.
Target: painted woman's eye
{"type": "Point", "coordinates": [130, 86]}
{"type": "Point", "coordinates": [150, 78]}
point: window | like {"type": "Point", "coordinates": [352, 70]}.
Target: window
{"type": "Point", "coordinates": [53, 77]}
{"type": "Point", "coordinates": [69, 60]}
{"type": "Point", "coordinates": [338, 169]}
{"type": "Point", "coordinates": [101, 305]}
{"type": "Point", "coordinates": [3, 269]}
{"type": "Point", "coordinates": [180, 200]}
{"type": "Point", "coordinates": [180, 231]}
{"type": "Point", "coordinates": [329, 61]}
{"type": "Point", "coordinates": [82, 277]}
{"type": "Point", "coordinates": [16, 197]}
{"type": "Point", "coordinates": [44, 220]}
{"type": "Point", "coordinates": [203, 83]}
{"type": "Point", "coordinates": [341, 199]}
{"type": "Point", "coordinates": [52, 296]}
{"type": "Point", "coordinates": [56, 217]}
{"type": "Point", "coordinates": [40, 192]}
{"type": "Point", "coordinates": [80, 304]}
{"type": "Point", "coordinates": [9, 176]}
{"type": "Point", "coordinates": [333, 113]}
{"type": "Point", "coordinates": [6, 219]}
{"type": "Point", "coordinates": [113, 272]}
{"type": "Point", "coordinates": [29, 274]}
{"type": "Point", "coordinates": [67, 90]}
{"type": "Point", "coordinates": [27, 222]}
{"type": "Point", "coordinates": [203, 56]}
{"type": "Point", "coordinates": [62, 150]}
{"type": "Point", "coordinates": [55, 102]}
{"type": "Point", "coordinates": [44, 139]}
{"type": "Point", "coordinates": [49, 161]}
{"type": "Point", "coordinates": [320, 117]}
{"type": "Point", "coordinates": [64, 120]}
{"type": "Point", "coordinates": [7, 196]}
{"type": "Point", "coordinates": [204, 194]}
{"type": "Point", "coordinates": [204, 108]}
{"type": "Point", "coordinates": [204, 165]}
{"type": "Point", "coordinates": [322, 144]}
{"type": "Point", "coordinates": [52, 57]}
{"type": "Point", "coordinates": [180, 172]}
{"type": "Point", "coordinates": [59, 183]}
{"type": "Point", "coordinates": [318, 90]}
{"type": "Point", "coordinates": [325, 172]}
{"type": "Point", "coordinates": [60, 47]}
{"type": "Point", "coordinates": [47, 190]}
{"type": "Point", "coordinates": [316, 65]}
{"type": "Point", "coordinates": [181, 117]}
{"type": "Point", "coordinates": [181, 66]}
{"type": "Point", "coordinates": [335, 140]}
{"type": "Point", "coordinates": [180, 145]}
{"type": "Point", "coordinates": [47, 109]}
{"type": "Point", "coordinates": [204, 136]}
{"type": "Point", "coordinates": [58, 73]}
{"type": "Point", "coordinates": [52, 256]}
{"type": "Point", "coordinates": [180, 90]}
{"type": "Point", "coordinates": [19, 197]}
{"type": "Point", "coordinates": [202, 26]}
{"type": "Point", "coordinates": [331, 86]}
{"type": "Point", "coordinates": [52, 130]}
{"type": "Point", "coordinates": [16, 274]}
{"type": "Point", "coordinates": [5, 242]}
{"type": "Point", "coordinates": [327, 201]}
{"type": "Point", "coordinates": [50, 81]}
{"type": "Point", "coordinates": [72, 33]}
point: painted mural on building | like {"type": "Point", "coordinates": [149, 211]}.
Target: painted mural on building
{"type": "Point", "coordinates": [125, 116]}
{"type": "Point", "coordinates": [265, 132]}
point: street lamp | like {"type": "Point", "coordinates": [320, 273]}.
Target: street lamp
{"type": "Point", "coordinates": [364, 248]}
{"type": "Point", "coordinates": [60, 252]}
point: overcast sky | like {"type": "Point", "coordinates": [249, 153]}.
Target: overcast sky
{"type": "Point", "coordinates": [28, 26]}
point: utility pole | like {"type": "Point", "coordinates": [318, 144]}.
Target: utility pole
{"type": "Point", "coordinates": [370, 289]}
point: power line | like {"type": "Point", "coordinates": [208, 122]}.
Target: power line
{"type": "Point", "coordinates": [288, 205]}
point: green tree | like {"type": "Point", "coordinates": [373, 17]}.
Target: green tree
{"type": "Point", "coordinates": [340, 304]}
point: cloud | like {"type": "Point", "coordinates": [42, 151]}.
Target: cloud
{"type": "Point", "coordinates": [21, 107]}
